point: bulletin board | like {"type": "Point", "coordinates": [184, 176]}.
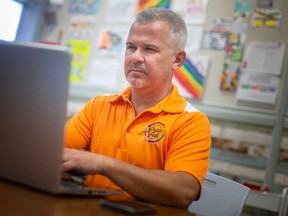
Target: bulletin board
{"type": "Point", "coordinates": [96, 31]}
{"type": "Point", "coordinates": [224, 8]}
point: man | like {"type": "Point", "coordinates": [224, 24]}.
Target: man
{"type": "Point", "coordinates": [148, 140]}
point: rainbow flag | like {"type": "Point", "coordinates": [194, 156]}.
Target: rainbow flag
{"type": "Point", "coordinates": [142, 4]}
{"type": "Point", "coordinates": [190, 79]}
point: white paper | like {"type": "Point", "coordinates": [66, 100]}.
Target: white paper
{"type": "Point", "coordinates": [264, 57]}
{"type": "Point", "coordinates": [258, 89]}
{"type": "Point", "coordinates": [194, 38]}
{"type": "Point", "coordinates": [120, 11]}
{"type": "Point", "coordinates": [81, 27]}
{"type": "Point", "coordinates": [104, 73]}
{"type": "Point", "coordinates": [193, 12]}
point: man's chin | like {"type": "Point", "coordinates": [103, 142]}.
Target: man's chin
{"type": "Point", "coordinates": [136, 86]}
{"type": "Point", "coordinates": [134, 83]}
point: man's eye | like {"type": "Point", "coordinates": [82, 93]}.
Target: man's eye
{"type": "Point", "coordinates": [131, 48]}
{"type": "Point", "coordinates": [150, 49]}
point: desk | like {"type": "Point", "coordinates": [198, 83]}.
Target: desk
{"type": "Point", "coordinates": [17, 200]}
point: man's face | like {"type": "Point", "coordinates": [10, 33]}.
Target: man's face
{"type": "Point", "coordinates": [149, 56]}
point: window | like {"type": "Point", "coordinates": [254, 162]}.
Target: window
{"type": "Point", "coordinates": [10, 15]}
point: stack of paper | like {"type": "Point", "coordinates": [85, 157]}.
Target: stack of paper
{"type": "Point", "coordinates": [258, 89]}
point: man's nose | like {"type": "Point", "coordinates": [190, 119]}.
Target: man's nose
{"type": "Point", "coordinates": [137, 56]}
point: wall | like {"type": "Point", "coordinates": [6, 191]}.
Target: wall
{"type": "Point", "coordinates": [220, 8]}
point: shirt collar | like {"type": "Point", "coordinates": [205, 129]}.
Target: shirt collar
{"type": "Point", "coordinates": [124, 96]}
{"type": "Point", "coordinates": [173, 103]}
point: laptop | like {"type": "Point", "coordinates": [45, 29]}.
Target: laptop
{"type": "Point", "coordinates": [34, 80]}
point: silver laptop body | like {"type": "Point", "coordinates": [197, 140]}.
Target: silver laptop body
{"type": "Point", "coordinates": [34, 81]}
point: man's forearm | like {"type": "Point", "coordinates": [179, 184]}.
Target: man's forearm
{"type": "Point", "coordinates": [177, 189]}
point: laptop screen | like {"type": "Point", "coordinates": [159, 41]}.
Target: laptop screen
{"type": "Point", "coordinates": [33, 91]}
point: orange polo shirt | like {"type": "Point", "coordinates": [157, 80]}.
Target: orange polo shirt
{"type": "Point", "coordinates": [172, 135]}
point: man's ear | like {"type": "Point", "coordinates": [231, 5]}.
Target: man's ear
{"type": "Point", "coordinates": [179, 59]}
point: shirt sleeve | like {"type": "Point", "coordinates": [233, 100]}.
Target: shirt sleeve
{"type": "Point", "coordinates": [190, 146]}
{"type": "Point", "coordinates": [78, 129]}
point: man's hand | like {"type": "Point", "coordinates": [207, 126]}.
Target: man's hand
{"type": "Point", "coordinates": [83, 162]}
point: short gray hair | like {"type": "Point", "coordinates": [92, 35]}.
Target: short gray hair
{"type": "Point", "coordinates": [177, 24]}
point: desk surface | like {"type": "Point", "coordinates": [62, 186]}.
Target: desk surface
{"type": "Point", "coordinates": [18, 200]}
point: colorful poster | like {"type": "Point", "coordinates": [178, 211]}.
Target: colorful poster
{"type": "Point", "coordinates": [80, 52]}
{"type": "Point", "coordinates": [190, 76]}
{"type": "Point", "coordinates": [243, 6]}
{"type": "Point", "coordinates": [235, 47]}
{"type": "Point", "coordinates": [83, 6]}
{"type": "Point", "coordinates": [112, 41]}
{"type": "Point", "coordinates": [230, 75]}
{"type": "Point", "coordinates": [266, 18]}
{"type": "Point", "coordinates": [142, 4]}
{"type": "Point", "coordinates": [236, 29]}
{"type": "Point", "coordinates": [242, 10]}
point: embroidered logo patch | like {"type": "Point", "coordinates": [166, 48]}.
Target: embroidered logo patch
{"type": "Point", "coordinates": [154, 132]}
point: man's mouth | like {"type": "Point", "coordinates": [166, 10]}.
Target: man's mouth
{"type": "Point", "coordinates": [137, 70]}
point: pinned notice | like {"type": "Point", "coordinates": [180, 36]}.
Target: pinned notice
{"type": "Point", "coordinates": [264, 57]}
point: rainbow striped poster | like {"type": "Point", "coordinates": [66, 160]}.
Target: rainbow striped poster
{"type": "Point", "coordinates": [142, 4]}
{"type": "Point", "coordinates": [191, 75]}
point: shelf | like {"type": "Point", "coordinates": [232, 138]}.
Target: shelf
{"type": "Point", "coordinates": [268, 201]}
{"type": "Point", "coordinates": [243, 114]}
{"type": "Point", "coordinates": [245, 160]}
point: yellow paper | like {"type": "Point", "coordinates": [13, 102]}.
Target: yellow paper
{"type": "Point", "coordinates": [80, 50]}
